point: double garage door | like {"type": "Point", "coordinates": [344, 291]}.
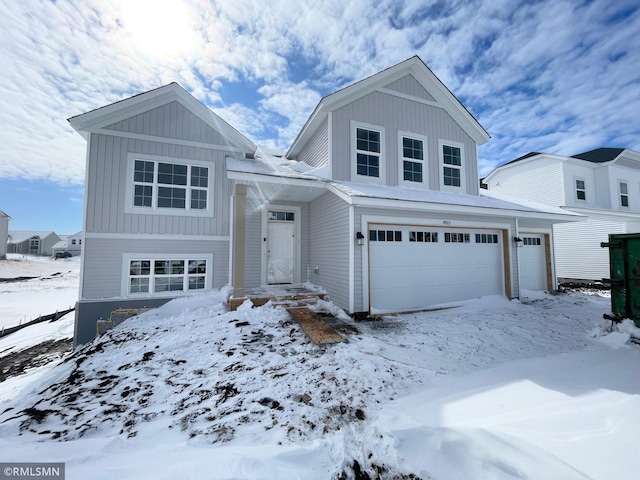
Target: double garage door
{"type": "Point", "coordinates": [411, 267]}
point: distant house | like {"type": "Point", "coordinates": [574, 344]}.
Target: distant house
{"type": "Point", "coordinates": [29, 242]}
{"type": "Point", "coordinates": [69, 243]}
{"type": "Point", "coordinates": [601, 184]}
{"type": "Point", "coordinates": [4, 232]}
{"type": "Point", "coordinates": [377, 201]}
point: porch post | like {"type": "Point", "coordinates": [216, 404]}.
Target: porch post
{"type": "Point", "coordinates": [239, 220]}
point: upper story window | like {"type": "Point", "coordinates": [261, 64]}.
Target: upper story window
{"type": "Point", "coordinates": [581, 190]}
{"type": "Point", "coordinates": [161, 185]}
{"type": "Point", "coordinates": [624, 194]}
{"type": "Point", "coordinates": [368, 152]}
{"type": "Point", "coordinates": [368, 161]}
{"type": "Point", "coordinates": [452, 165]}
{"type": "Point", "coordinates": [412, 153]}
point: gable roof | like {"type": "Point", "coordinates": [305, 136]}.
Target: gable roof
{"type": "Point", "coordinates": [102, 117]}
{"type": "Point", "coordinates": [4, 215]}
{"type": "Point", "coordinates": [600, 155]}
{"type": "Point", "coordinates": [419, 70]}
{"type": "Point", "coordinates": [19, 236]}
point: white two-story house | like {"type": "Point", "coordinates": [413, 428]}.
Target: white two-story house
{"type": "Point", "coordinates": [377, 201]}
{"type": "Point", "coordinates": [602, 184]}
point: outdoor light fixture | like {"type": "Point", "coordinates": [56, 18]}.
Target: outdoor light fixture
{"type": "Point", "coordinates": [360, 238]}
{"type": "Point", "coordinates": [518, 240]}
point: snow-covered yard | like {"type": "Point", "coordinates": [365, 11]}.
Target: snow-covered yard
{"type": "Point", "coordinates": [493, 389]}
{"type": "Point", "coordinates": [54, 288]}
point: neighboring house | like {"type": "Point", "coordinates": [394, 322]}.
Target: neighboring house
{"type": "Point", "coordinates": [29, 242]}
{"type": "Point", "coordinates": [601, 184]}
{"type": "Point", "coordinates": [377, 201]}
{"type": "Point", "coordinates": [4, 234]}
{"type": "Point", "coordinates": [69, 243]}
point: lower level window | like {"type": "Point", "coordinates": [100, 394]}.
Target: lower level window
{"type": "Point", "coordinates": [156, 276]}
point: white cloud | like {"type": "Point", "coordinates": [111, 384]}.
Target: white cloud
{"type": "Point", "coordinates": [555, 75]}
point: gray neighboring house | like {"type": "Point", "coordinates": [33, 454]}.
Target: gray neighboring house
{"type": "Point", "coordinates": [4, 234]}
{"type": "Point", "coordinates": [28, 242]}
{"type": "Point", "coordinates": [377, 201]}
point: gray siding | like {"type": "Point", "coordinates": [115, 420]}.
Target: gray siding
{"type": "Point", "coordinates": [107, 183]}
{"type": "Point", "coordinates": [410, 86]}
{"type": "Point", "coordinates": [329, 247]}
{"type": "Point", "coordinates": [102, 262]}
{"type": "Point", "coordinates": [397, 114]}
{"type": "Point", "coordinates": [172, 120]}
{"type": "Point", "coordinates": [316, 151]}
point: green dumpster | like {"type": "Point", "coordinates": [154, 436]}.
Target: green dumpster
{"type": "Point", "coordinates": [624, 267]}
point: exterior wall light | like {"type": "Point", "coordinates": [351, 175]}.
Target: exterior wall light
{"type": "Point", "coordinates": [518, 241]}
{"type": "Point", "coordinates": [360, 238]}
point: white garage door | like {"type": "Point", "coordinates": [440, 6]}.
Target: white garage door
{"type": "Point", "coordinates": [533, 262]}
{"type": "Point", "coordinates": [411, 268]}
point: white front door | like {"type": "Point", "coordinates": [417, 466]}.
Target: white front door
{"type": "Point", "coordinates": [281, 248]}
{"type": "Point", "coordinates": [533, 262]}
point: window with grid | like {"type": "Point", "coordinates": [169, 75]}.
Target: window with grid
{"type": "Point", "coordinates": [368, 152]}
{"type": "Point", "coordinates": [450, 237]}
{"type": "Point", "coordinates": [452, 165]}
{"type": "Point", "coordinates": [486, 238]}
{"type": "Point", "coordinates": [581, 190]}
{"type": "Point", "coordinates": [412, 159]}
{"type": "Point", "coordinates": [385, 235]}
{"type": "Point", "coordinates": [162, 185]}
{"type": "Point", "coordinates": [531, 241]}
{"type": "Point", "coordinates": [624, 194]}
{"type": "Point", "coordinates": [166, 275]}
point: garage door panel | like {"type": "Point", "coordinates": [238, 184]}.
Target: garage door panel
{"type": "Point", "coordinates": [411, 275]}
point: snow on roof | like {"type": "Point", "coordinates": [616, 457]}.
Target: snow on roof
{"type": "Point", "coordinates": [265, 164]}
{"type": "Point", "coordinates": [19, 236]}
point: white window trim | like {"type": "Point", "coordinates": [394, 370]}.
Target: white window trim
{"type": "Point", "coordinates": [354, 156]}
{"type": "Point", "coordinates": [127, 257]}
{"type": "Point", "coordinates": [441, 165]}
{"type": "Point", "coordinates": [425, 159]}
{"type": "Point", "coordinates": [621, 181]}
{"type": "Point", "coordinates": [575, 189]}
{"type": "Point", "coordinates": [153, 210]}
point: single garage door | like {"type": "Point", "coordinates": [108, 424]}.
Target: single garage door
{"type": "Point", "coordinates": [533, 262]}
{"type": "Point", "coordinates": [411, 268]}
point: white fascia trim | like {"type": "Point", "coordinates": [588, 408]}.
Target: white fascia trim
{"type": "Point", "coordinates": [156, 236]}
{"type": "Point", "coordinates": [172, 141]}
{"type": "Point", "coordinates": [632, 216]}
{"type": "Point", "coordinates": [330, 142]}
{"type": "Point", "coordinates": [411, 98]}
{"type": "Point", "coordinates": [535, 158]}
{"type": "Point", "coordinates": [352, 246]}
{"type": "Point", "coordinates": [85, 217]}
{"type": "Point", "coordinates": [463, 209]}
{"type": "Point", "coordinates": [127, 257]}
{"type": "Point", "coordinates": [265, 178]}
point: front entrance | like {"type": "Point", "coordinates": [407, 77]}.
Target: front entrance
{"type": "Point", "coordinates": [281, 246]}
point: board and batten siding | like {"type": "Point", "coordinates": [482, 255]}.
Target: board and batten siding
{"type": "Point", "coordinates": [172, 120]}
{"type": "Point", "coordinates": [398, 114]}
{"type": "Point", "coordinates": [539, 180]}
{"type": "Point", "coordinates": [578, 253]}
{"type": "Point", "coordinates": [103, 257]}
{"type": "Point", "coordinates": [410, 86]}
{"type": "Point", "coordinates": [107, 184]}
{"type": "Point", "coordinates": [329, 247]}
{"type": "Point", "coordinates": [316, 150]}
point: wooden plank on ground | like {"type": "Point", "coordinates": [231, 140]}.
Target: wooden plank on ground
{"type": "Point", "coordinates": [320, 332]}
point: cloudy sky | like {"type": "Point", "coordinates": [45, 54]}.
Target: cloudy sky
{"type": "Point", "coordinates": [559, 76]}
